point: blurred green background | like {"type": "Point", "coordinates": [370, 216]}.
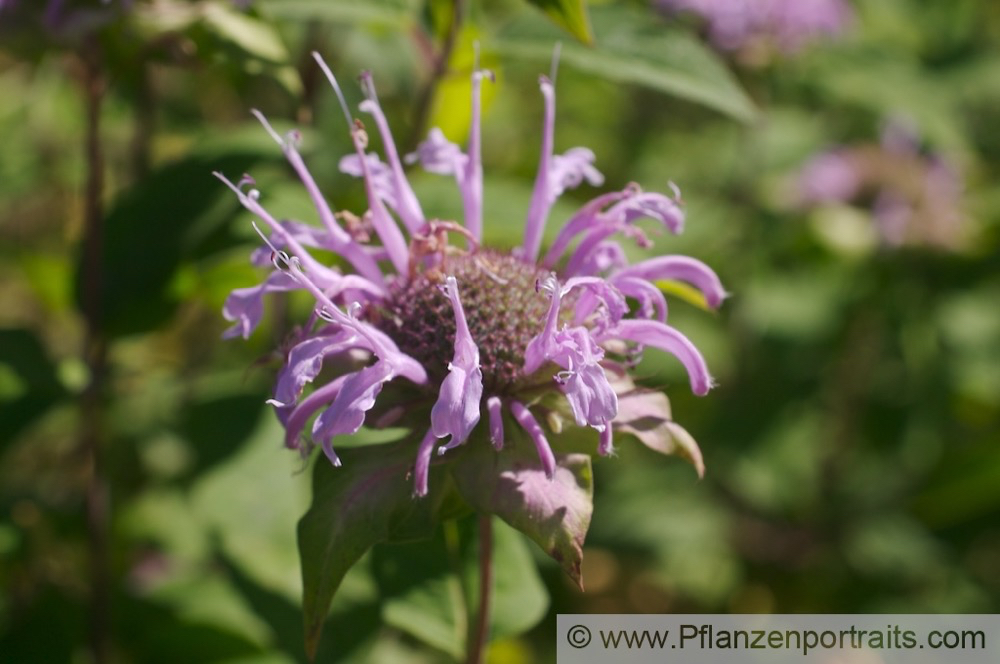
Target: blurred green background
{"type": "Point", "coordinates": [852, 446]}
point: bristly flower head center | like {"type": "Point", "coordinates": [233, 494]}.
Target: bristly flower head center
{"type": "Point", "coordinates": [503, 308]}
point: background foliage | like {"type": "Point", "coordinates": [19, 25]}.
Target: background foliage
{"type": "Point", "coordinates": [852, 445]}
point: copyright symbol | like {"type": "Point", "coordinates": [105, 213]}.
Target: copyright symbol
{"type": "Point", "coordinates": [578, 636]}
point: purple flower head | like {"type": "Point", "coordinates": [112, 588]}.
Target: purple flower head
{"type": "Point", "coordinates": [914, 196]}
{"type": "Point", "coordinates": [477, 346]}
{"type": "Point", "coordinates": [788, 25]}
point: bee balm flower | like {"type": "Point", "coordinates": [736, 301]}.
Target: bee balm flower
{"type": "Point", "coordinates": [477, 336]}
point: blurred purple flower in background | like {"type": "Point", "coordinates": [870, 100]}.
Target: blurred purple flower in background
{"type": "Point", "coordinates": [787, 25]}
{"type": "Point", "coordinates": [915, 197]}
{"type": "Point", "coordinates": [537, 336]}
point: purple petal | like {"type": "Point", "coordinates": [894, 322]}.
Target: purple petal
{"type": "Point", "coordinates": [605, 256]}
{"type": "Point", "coordinates": [408, 205]}
{"type": "Point", "coordinates": [664, 337]}
{"type": "Point", "coordinates": [386, 227]}
{"type": "Point", "coordinates": [305, 361]}
{"type": "Point", "coordinates": [621, 217]}
{"type": "Point", "coordinates": [494, 408]}
{"type": "Point", "coordinates": [379, 172]}
{"type": "Point", "coordinates": [571, 168]}
{"type": "Point", "coordinates": [456, 412]}
{"type": "Point", "coordinates": [612, 298]}
{"type": "Point", "coordinates": [295, 418]}
{"type": "Point", "coordinates": [606, 446]}
{"type": "Point", "coordinates": [829, 177]}
{"type": "Point", "coordinates": [651, 205]}
{"type": "Point", "coordinates": [530, 425]}
{"type": "Point", "coordinates": [245, 306]}
{"type": "Point", "coordinates": [472, 182]}
{"type": "Point", "coordinates": [539, 349]}
{"type": "Point", "coordinates": [437, 154]}
{"type": "Point", "coordinates": [249, 200]}
{"type": "Point", "coordinates": [590, 396]}
{"type": "Point", "coordinates": [649, 296]}
{"type": "Point", "coordinates": [586, 218]}
{"type": "Point", "coordinates": [421, 468]}
{"type": "Point", "coordinates": [680, 268]}
{"type": "Point", "coordinates": [541, 197]}
{"type": "Point", "coordinates": [356, 397]}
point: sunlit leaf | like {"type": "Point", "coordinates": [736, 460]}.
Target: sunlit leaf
{"type": "Point", "coordinates": [571, 15]}
{"type": "Point", "coordinates": [633, 47]}
{"type": "Point", "coordinates": [391, 12]}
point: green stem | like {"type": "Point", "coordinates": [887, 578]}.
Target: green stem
{"type": "Point", "coordinates": [480, 629]}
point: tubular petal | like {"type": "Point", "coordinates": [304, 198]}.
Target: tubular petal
{"type": "Point", "coordinates": [245, 306]}
{"type": "Point", "coordinates": [664, 337]}
{"type": "Point", "coordinates": [606, 446]}
{"type": "Point", "coordinates": [408, 205]}
{"type": "Point", "coordinates": [494, 407]}
{"type": "Point", "coordinates": [339, 240]}
{"type": "Point", "coordinates": [421, 468]}
{"type": "Point", "coordinates": [295, 419]}
{"type": "Point", "coordinates": [456, 412]}
{"type": "Point", "coordinates": [541, 199]}
{"type": "Point", "coordinates": [528, 422]}
{"type": "Point", "coordinates": [305, 361]}
{"type": "Point", "coordinates": [356, 397]}
{"type": "Point", "coordinates": [681, 268]}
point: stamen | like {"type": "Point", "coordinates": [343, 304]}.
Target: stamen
{"type": "Point", "coordinates": [336, 87]}
{"type": "Point", "coordinates": [554, 68]}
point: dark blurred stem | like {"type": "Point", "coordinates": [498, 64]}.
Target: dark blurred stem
{"type": "Point", "coordinates": [95, 356]}
{"type": "Point", "coordinates": [480, 629]}
{"type": "Point", "coordinates": [440, 68]}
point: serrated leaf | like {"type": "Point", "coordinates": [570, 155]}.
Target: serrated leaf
{"type": "Point", "coordinates": [366, 501]}
{"type": "Point", "coordinates": [554, 513]}
{"type": "Point", "coordinates": [632, 47]}
{"type": "Point", "coordinates": [570, 15]}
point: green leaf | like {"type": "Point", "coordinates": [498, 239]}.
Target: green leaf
{"type": "Point", "coordinates": [367, 501]}
{"type": "Point", "coordinates": [421, 585]}
{"type": "Point", "coordinates": [29, 383]}
{"type": "Point", "coordinates": [387, 12]}
{"type": "Point", "coordinates": [570, 15]}
{"type": "Point", "coordinates": [632, 47]}
{"type": "Point", "coordinates": [254, 36]}
{"type": "Point", "coordinates": [420, 592]}
{"type": "Point", "coordinates": [554, 513]}
{"type": "Point", "coordinates": [151, 229]}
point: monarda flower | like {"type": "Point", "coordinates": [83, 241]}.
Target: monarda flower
{"type": "Point", "coordinates": [420, 326]}
{"type": "Point", "coordinates": [787, 25]}
{"type": "Point", "coordinates": [914, 196]}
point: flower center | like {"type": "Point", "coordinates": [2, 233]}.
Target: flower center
{"type": "Point", "coordinates": [502, 307]}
